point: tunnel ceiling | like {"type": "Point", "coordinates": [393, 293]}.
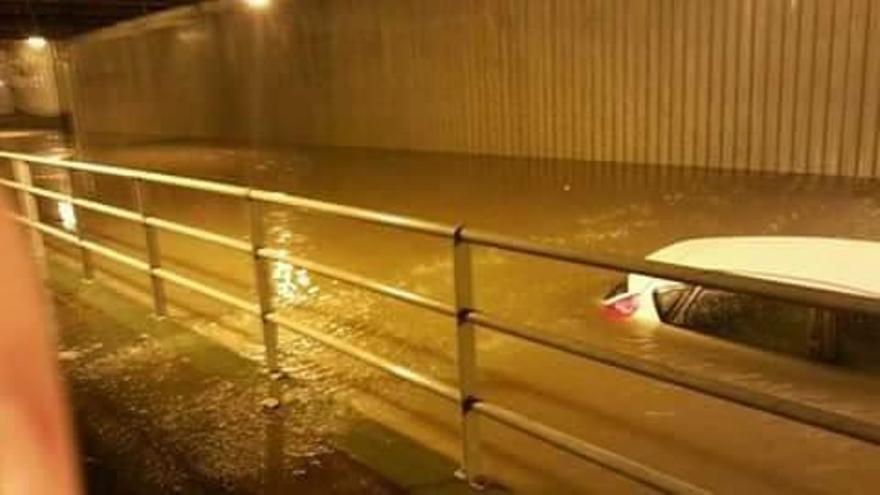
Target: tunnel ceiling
{"type": "Point", "coordinates": [57, 19]}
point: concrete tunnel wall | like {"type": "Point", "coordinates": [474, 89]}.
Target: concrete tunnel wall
{"type": "Point", "coordinates": [779, 85]}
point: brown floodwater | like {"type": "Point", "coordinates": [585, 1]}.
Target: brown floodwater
{"type": "Point", "coordinates": [629, 210]}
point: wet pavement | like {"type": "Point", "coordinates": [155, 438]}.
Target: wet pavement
{"type": "Point", "coordinates": [161, 409]}
{"type": "Point", "coordinates": [630, 210]}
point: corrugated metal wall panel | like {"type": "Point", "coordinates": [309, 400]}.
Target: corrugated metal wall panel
{"type": "Point", "coordinates": [763, 85]}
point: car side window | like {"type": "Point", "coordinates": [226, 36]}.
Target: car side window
{"type": "Point", "coordinates": [667, 299]}
{"type": "Point", "coordinates": [749, 319]}
{"type": "Point", "coordinates": [712, 311]}
{"type": "Point", "coordinates": [859, 335]}
{"type": "Point", "coordinates": [858, 322]}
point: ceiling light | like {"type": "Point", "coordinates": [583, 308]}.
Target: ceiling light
{"type": "Point", "coordinates": [257, 4]}
{"type": "Point", "coordinates": [36, 42]}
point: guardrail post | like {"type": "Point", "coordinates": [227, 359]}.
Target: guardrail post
{"type": "Point", "coordinates": [154, 256]}
{"type": "Point", "coordinates": [472, 466]}
{"type": "Point", "coordinates": [84, 254]}
{"type": "Point", "coordinates": [21, 172]}
{"type": "Point", "coordinates": [262, 280]}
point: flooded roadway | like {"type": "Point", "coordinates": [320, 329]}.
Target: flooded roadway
{"type": "Point", "coordinates": [631, 210]}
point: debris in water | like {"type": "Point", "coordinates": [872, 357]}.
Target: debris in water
{"type": "Point", "coordinates": [270, 403]}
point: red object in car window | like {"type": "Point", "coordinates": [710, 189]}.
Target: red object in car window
{"type": "Point", "coordinates": [622, 305]}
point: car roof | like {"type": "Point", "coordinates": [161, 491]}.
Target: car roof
{"type": "Point", "coordinates": [846, 265]}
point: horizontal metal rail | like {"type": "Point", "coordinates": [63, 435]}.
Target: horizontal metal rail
{"type": "Point", "coordinates": [47, 229]}
{"type": "Point", "coordinates": [431, 385]}
{"type": "Point", "coordinates": [126, 214]}
{"type": "Point", "coordinates": [60, 234]}
{"type": "Point", "coordinates": [245, 247]}
{"type": "Point", "coordinates": [573, 445]}
{"type": "Point", "coordinates": [778, 406]}
{"type": "Point", "coordinates": [129, 173]}
{"type": "Point", "coordinates": [131, 262]}
{"type": "Point", "coordinates": [200, 234]}
{"type": "Point", "coordinates": [785, 408]}
{"type": "Point", "coordinates": [206, 290]}
{"type": "Point", "coordinates": [113, 211]}
{"type": "Point", "coordinates": [615, 462]}
{"type": "Point", "coordinates": [362, 214]}
{"type": "Point", "coordinates": [353, 213]}
{"type": "Point", "coordinates": [621, 465]}
{"type": "Point", "coordinates": [361, 282]}
{"type": "Point", "coordinates": [707, 278]}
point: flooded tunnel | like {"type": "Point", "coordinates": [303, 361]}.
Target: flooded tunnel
{"type": "Point", "coordinates": [436, 247]}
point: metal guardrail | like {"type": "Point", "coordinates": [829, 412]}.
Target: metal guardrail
{"type": "Point", "coordinates": [467, 317]}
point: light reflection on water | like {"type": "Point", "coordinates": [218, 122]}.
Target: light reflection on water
{"type": "Point", "coordinates": [292, 285]}
{"type": "Point", "coordinates": [68, 215]}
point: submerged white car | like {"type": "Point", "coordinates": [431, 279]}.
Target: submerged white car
{"type": "Point", "coordinates": [843, 265]}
